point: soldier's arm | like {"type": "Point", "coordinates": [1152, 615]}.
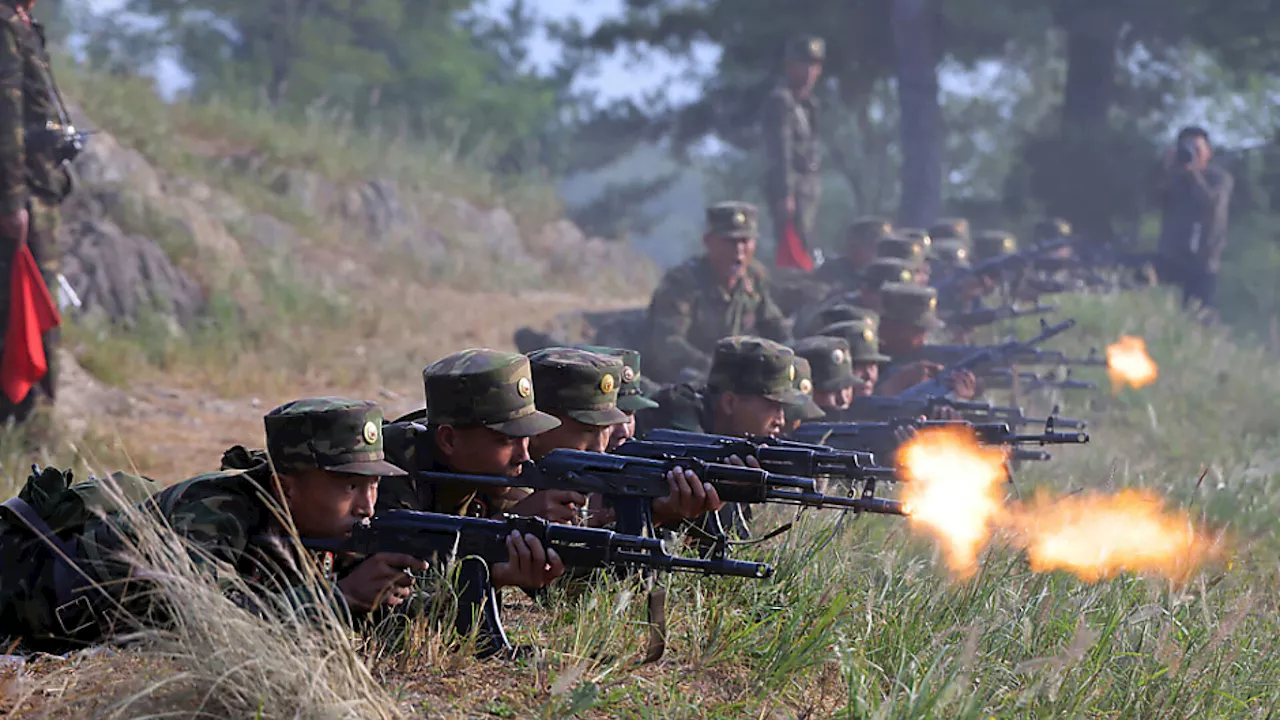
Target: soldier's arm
{"type": "Point", "coordinates": [781, 181]}
{"type": "Point", "coordinates": [13, 184]}
{"type": "Point", "coordinates": [670, 319]}
{"type": "Point", "coordinates": [771, 322]}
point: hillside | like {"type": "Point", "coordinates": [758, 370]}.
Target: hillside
{"type": "Point", "coordinates": [228, 261]}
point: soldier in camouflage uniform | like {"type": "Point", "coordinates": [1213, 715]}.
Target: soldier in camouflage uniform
{"type": "Point", "coordinates": [832, 364]}
{"type": "Point", "coordinates": [864, 353]}
{"type": "Point", "coordinates": [990, 244]}
{"type": "Point", "coordinates": [880, 273]}
{"type": "Point", "coordinates": [956, 228]}
{"type": "Point", "coordinates": [796, 414]}
{"type": "Point", "coordinates": [327, 458]}
{"type": "Point", "coordinates": [480, 415]}
{"type": "Point", "coordinates": [750, 383]}
{"type": "Point", "coordinates": [33, 181]}
{"type": "Point", "coordinates": [632, 397]}
{"type": "Point", "coordinates": [844, 274]}
{"type": "Point", "coordinates": [720, 294]}
{"type": "Point", "coordinates": [910, 315]}
{"type": "Point", "coordinates": [790, 126]}
{"type": "Point", "coordinates": [580, 389]}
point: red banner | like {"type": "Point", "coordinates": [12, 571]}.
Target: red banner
{"type": "Point", "coordinates": [31, 314]}
{"type": "Point", "coordinates": [791, 252]}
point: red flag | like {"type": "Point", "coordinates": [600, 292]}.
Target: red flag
{"type": "Point", "coordinates": [31, 314]}
{"type": "Point", "coordinates": [791, 252]}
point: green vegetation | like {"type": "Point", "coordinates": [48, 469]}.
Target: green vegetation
{"type": "Point", "coordinates": [867, 624]}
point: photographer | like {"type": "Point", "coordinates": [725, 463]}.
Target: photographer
{"type": "Point", "coordinates": [1194, 200]}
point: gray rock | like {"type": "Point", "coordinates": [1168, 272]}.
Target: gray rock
{"type": "Point", "coordinates": [122, 276]}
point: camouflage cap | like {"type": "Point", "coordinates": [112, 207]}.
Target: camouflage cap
{"type": "Point", "coordinates": [917, 234]}
{"type": "Point", "coordinates": [902, 247]}
{"type": "Point", "coordinates": [952, 253]}
{"type": "Point", "coordinates": [888, 270]}
{"type": "Point", "coordinates": [1051, 229]}
{"type": "Point", "coordinates": [806, 48]}
{"type": "Point", "coordinates": [956, 228]}
{"type": "Point", "coordinates": [869, 229]}
{"type": "Point", "coordinates": [807, 410]}
{"type": "Point", "coordinates": [631, 395]}
{"type": "Point", "coordinates": [993, 243]}
{"type": "Point", "coordinates": [863, 342]}
{"type": "Point", "coordinates": [328, 433]}
{"type": "Point", "coordinates": [845, 312]}
{"type": "Point", "coordinates": [733, 219]}
{"type": "Point", "coordinates": [485, 388]}
{"type": "Point", "coordinates": [911, 305]}
{"type": "Point", "coordinates": [579, 384]}
{"type": "Point", "coordinates": [831, 361]}
{"type": "Point", "coordinates": [750, 365]}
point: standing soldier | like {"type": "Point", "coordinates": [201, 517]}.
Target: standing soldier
{"type": "Point", "coordinates": [35, 147]}
{"type": "Point", "coordinates": [720, 294]}
{"type": "Point", "coordinates": [790, 128]}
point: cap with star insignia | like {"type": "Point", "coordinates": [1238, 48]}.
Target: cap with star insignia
{"type": "Point", "coordinates": [831, 360]}
{"type": "Point", "coordinates": [485, 388]}
{"type": "Point", "coordinates": [579, 384]}
{"type": "Point", "coordinates": [329, 433]}
{"type": "Point", "coordinates": [749, 365]}
{"type": "Point", "coordinates": [733, 219]}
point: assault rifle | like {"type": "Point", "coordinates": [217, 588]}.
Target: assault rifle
{"type": "Point", "coordinates": [476, 543]}
{"type": "Point", "coordinates": [1005, 378]}
{"type": "Point", "coordinates": [876, 408]}
{"type": "Point", "coordinates": [992, 355]}
{"type": "Point", "coordinates": [631, 484]}
{"type": "Point", "coordinates": [777, 455]}
{"type": "Point", "coordinates": [983, 316]}
{"type": "Point", "coordinates": [885, 435]}
{"type": "Point", "coordinates": [999, 266]}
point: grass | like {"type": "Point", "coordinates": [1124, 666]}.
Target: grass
{"type": "Point", "coordinates": [869, 625]}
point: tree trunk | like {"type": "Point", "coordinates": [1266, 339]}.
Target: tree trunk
{"type": "Point", "coordinates": [914, 39]}
{"type": "Point", "coordinates": [1092, 35]}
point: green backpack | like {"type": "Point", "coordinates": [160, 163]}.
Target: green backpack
{"type": "Point", "coordinates": [54, 508]}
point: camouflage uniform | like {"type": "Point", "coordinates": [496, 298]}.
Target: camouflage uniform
{"type": "Point", "coordinates": [468, 389]}
{"type": "Point", "coordinates": [803, 382]}
{"type": "Point", "coordinates": [32, 179]}
{"type": "Point", "coordinates": [790, 127]}
{"type": "Point", "coordinates": [911, 250]}
{"type": "Point", "coordinates": [831, 360]}
{"type": "Point", "coordinates": [743, 365]}
{"type": "Point", "coordinates": [991, 244]}
{"type": "Point", "coordinates": [578, 384]}
{"type": "Point", "coordinates": [228, 517]}
{"type": "Point", "coordinates": [690, 311]}
{"type": "Point", "coordinates": [956, 228]}
{"type": "Point", "coordinates": [912, 306]}
{"type": "Point", "coordinates": [842, 273]}
{"type": "Point", "coordinates": [632, 396]}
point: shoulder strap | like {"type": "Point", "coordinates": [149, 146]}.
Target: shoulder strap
{"type": "Point", "coordinates": [68, 577]}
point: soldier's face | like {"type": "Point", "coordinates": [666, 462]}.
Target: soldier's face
{"type": "Point", "coordinates": [901, 338]}
{"type": "Point", "coordinates": [804, 75]}
{"type": "Point", "coordinates": [730, 256]}
{"type": "Point", "coordinates": [862, 253]}
{"type": "Point", "coordinates": [622, 432]}
{"type": "Point", "coordinates": [834, 399]}
{"type": "Point", "coordinates": [869, 374]}
{"type": "Point", "coordinates": [481, 451]}
{"type": "Point", "coordinates": [922, 275]}
{"type": "Point", "coordinates": [327, 504]}
{"type": "Point", "coordinates": [571, 435]}
{"type": "Point", "coordinates": [742, 415]}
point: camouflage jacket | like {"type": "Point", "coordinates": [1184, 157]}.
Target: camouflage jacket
{"type": "Point", "coordinates": [690, 312]}
{"type": "Point", "coordinates": [26, 102]}
{"type": "Point", "coordinates": [681, 407]}
{"type": "Point", "coordinates": [411, 446]}
{"type": "Point", "coordinates": [226, 521]}
{"type": "Point", "coordinates": [790, 130]}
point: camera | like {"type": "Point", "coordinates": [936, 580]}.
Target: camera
{"type": "Point", "coordinates": [1186, 153]}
